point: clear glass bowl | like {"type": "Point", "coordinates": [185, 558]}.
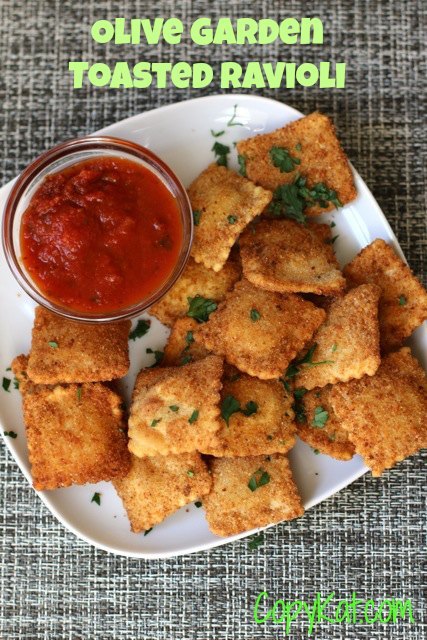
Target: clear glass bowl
{"type": "Point", "coordinates": [57, 159]}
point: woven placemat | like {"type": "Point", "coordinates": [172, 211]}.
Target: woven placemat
{"type": "Point", "coordinates": [368, 539]}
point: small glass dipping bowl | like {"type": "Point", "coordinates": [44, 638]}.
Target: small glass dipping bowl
{"type": "Point", "coordinates": [59, 158]}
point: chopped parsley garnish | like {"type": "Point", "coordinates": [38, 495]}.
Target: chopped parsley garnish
{"type": "Point", "coordinates": [282, 159]}
{"type": "Point", "coordinates": [259, 479]}
{"type": "Point", "coordinates": [234, 377]}
{"type": "Point", "coordinates": [147, 531]}
{"type": "Point", "coordinates": [232, 219]}
{"type": "Point", "coordinates": [334, 347]}
{"type": "Point", "coordinates": [221, 152]}
{"type": "Point", "coordinates": [298, 147]}
{"type": "Point", "coordinates": [332, 225]}
{"type": "Point", "coordinates": [242, 164]}
{"type": "Point", "coordinates": [294, 367]}
{"type": "Point", "coordinates": [320, 417]}
{"type": "Point", "coordinates": [255, 315]}
{"type": "Point", "coordinates": [15, 383]}
{"type": "Point", "coordinates": [198, 504]}
{"type": "Point", "coordinates": [186, 359]}
{"type": "Point", "coordinates": [158, 356]}
{"type": "Point", "coordinates": [250, 409]}
{"type": "Point", "coordinates": [155, 421]}
{"type": "Point", "coordinates": [229, 406]}
{"type": "Point", "coordinates": [196, 217]}
{"type": "Point", "coordinates": [402, 300]}
{"type": "Point", "coordinates": [231, 122]}
{"type": "Point", "coordinates": [200, 308]}
{"type": "Point", "coordinates": [316, 452]}
{"type": "Point", "coordinates": [291, 200]}
{"type": "Point", "coordinates": [53, 344]}
{"type": "Point", "coordinates": [331, 240]}
{"type": "Point", "coordinates": [11, 434]}
{"type": "Point", "coordinates": [141, 328]}
{"type": "Point", "coordinates": [174, 408]}
{"type": "Point", "coordinates": [189, 339]}
{"type": "Point", "coordinates": [217, 134]}
{"type": "Point", "coordinates": [194, 416]}
{"type": "Point", "coordinates": [79, 393]}
{"type": "Point", "coordinates": [256, 542]}
{"type": "Point", "coordinates": [6, 384]}
{"type": "Point", "coordinates": [96, 498]}
{"type": "Point", "coordinates": [190, 473]}
{"type": "Point", "coordinates": [298, 405]}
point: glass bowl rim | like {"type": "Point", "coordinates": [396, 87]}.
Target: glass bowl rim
{"type": "Point", "coordinates": [62, 151]}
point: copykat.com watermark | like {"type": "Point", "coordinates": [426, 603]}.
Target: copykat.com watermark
{"type": "Point", "coordinates": [330, 610]}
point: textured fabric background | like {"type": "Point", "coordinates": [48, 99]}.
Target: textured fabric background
{"type": "Point", "coordinates": [370, 537]}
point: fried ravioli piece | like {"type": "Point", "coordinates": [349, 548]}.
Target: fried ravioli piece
{"type": "Point", "coordinates": [385, 415]}
{"type": "Point", "coordinates": [156, 487]}
{"type": "Point", "coordinates": [285, 256]}
{"type": "Point", "coordinates": [322, 430]}
{"type": "Point", "coordinates": [196, 280]}
{"type": "Point", "coordinates": [19, 367]}
{"type": "Point", "coordinates": [226, 203]}
{"type": "Point", "coordinates": [259, 331]}
{"type": "Point", "coordinates": [313, 142]}
{"type": "Point", "coordinates": [183, 345]}
{"type": "Point", "coordinates": [347, 342]}
{"type": "Point", "coordinates": [175, 409]}
{"type": "Point", "coordinates": [233, 507]}
{"type": "Point", "coordinates": [75, 435]}
{"type": "Point", "coordinates": [403, 301]}
{"type": "Point", "coordinates": [265, 423]}
{"type": "Point", "coordinates": [66, 351]}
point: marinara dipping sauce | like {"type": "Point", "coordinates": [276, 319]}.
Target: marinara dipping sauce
{"type": "Point", "coordinates": [101, 234]}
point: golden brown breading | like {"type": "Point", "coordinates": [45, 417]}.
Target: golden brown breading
{"type": "Point", "coordinates": [183, 345]}
{"type": "Point", "coordinates": [260, 346]}
{"type": "Point", "coordinates": [348, 341]}
{"type": "Point", "coordinates": [285, 256]}
{"type": "Point", "coordinates": [156, 487]}
{"type": "Point", "coordinates": [19, 367]}
{"type": "Point", "coordinates": [75, 435]}
{"type": "Point", "coordinates": [196, 280]}
{"type": "Point", "coordinates": [175, 409]}
{"type": "Point", "coordinates": [232, 507]}
{"type": "Point", "coordinates": [66, 351]}
{"type": "Point", "coordinates": [403, 302]}
{"type": "Point", "coordinates": [321, 158]}
{"type": "Point", "coordinates": [385, 415]}
{"type": "Point", "coordinates": [322, 430]}
{"type": "Point", "coordinates": [270, 429]}
{"type": "Point", "coordinates": [226, 203]}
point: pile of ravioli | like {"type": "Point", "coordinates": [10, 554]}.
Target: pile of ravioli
{"type": "Point", "coordinates": [269, 340]}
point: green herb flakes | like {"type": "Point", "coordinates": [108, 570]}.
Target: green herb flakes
{"type": "Point", "coordinates": [186, 359]}
{"type": "Point", "coordinates": [198, 504]}
{"type": "Point", "coordinates": [147, 531]}
{"type": "Point", "coordinates": [6, 384]}
{"type": "Point", "coordinates": [79, 393]}
{"type": "Point", "coordinates": [316, 452]}
{"type": "Point", "coordinates": [10, 434]}
{"type": "Point", "coordinates": [334, 347]}
{"type": "Point", "coordinates": [291, 200]}
{"type": "Point", "coordinates": [282, 159]}
{"type": "Point", "coordinates": [155, 422]}
{"type": "Point", "coordinates": [256, 542]}
{"type": "Point", "coordinates": [307, 360]}
{"type": "Point", "coordinates": [158, 356]}
{"type": "Point", "coordinates": [196, 217]}
{"type": "Point", "coordinates": [231, 122]}
{"type": "Point", "coordinates": [141, 328]}
{"type": "Point", "coordinates": [174, 408]}
{"type": "Point", "coordinates": [232, 219]}
{"type": "Point", "coordinates": [259, 479]}
{"type": "Point", "coordinates": [298, 405]}
{"type": "Point", "coordinates": [320, 417]}
{"type": "Point", "coordinates": [96, 498]}
{"type": "Point", "coordinates": [15, 383]}
{"type": "Point", "coordinates": [242, 165]}
{"type": "Point", "coordinates": [194, 416]}
{"type": "Point", "coordinates": [255, 315]}
{"type": "Point", "coordinates": [217, 134]}
{"type": "Point", "coordinates": [189, 338]}
{"type": "Point", "coordinates": [229, 405]}
{"type": "Point", "coordinates": [221, 152]}
{"type": "Point", "coordinates": [250, 409]}
{"type": "Point", "coordinates": [402, 301]}
{"type": "Point", "coordinates": [200, 308]}
{"type": "Point", "coordinates": [52, 344]}
{"type": "Point", "coordinates": [190, 473]}
{"type": "Point", "coordinates": [298, 147]}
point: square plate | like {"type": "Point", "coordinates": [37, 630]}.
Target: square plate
{"type": "Point", "coordinates": [181, 135]}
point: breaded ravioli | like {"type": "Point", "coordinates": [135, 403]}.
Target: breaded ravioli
{"type": "Point", "coordinates": [385, 415]}
{"type": "Point", "coordinates": [224, 203]}
{"type": "Point", "coordinates": [175, 409]}
{"type": "Point", "coordinates": [66, 351]}
{"type": "Point", "coordinates": [403, 302]}
{"type": "Point", "coordinates": [308, 147]}
{"type": "Point", "coordinates": [196, 280]}
{"type": "Point", "coordinates": [256, 417]}
{"type": "Point", "coordinates": [251, 492]}
{"type": "Point", "coordinates": [319, 427]}
{"type": "Point", "coordinates": [260, 331]}
{"type": "Point", "coordinates": [183, 345]}
{"type": "Point", "coordinates": [156, 487]}
{"type": "Point", "coordinates": [285, 256]}
{"type": "Point", "coordinates": [19, 367]}
{"type": "Point", "coordinates": [347, 343]}
{"type": "Point", "coordinates": [75, 435]}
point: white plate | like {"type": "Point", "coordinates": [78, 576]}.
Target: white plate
{"type": "Point", "coordinates": [180, 135]}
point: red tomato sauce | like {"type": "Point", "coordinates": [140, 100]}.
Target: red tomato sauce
{"type": "Point", "coordinates": [101, 235]}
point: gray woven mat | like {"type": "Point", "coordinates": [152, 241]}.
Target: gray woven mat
{"type": "Point", "coordinates": [368, 539]}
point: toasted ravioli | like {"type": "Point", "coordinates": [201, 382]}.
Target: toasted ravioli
{"type": "Point", "coordinates": [175, 409]}
{"type": "Point", "coordinates": [156, 487]}
{"type": "Point", "coordinates": [66, 351]}
{"type": "Point", "coordinates": [225, 203]}
{"type": "Point", "coordinates": [75, 435]}
{"type": "Point", "coordinates": [403, 302]}
{"type": "Point", "coordinates": [259, 331]}
{"type": "Point", "coordinates": [265, 422]}
{"type": "Point", "coordinates": [285, 256]}
{"type": "Point", "coordinates": [385, 414]}
{"type": "Point", "coordinates": [196, 280]}
{"type": "Point", "coordinates": [232, 507]}
{"type": "Point", "coordinates": [347, 342]}
{"type": "Point", "coordinates": [19, 368]}
{"type": "Point", "coordinates": [312, 141]}
{"type": "Point", "coordinates": [183, 345]}
{"type": "Point", "coordinates": [321, 428]}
